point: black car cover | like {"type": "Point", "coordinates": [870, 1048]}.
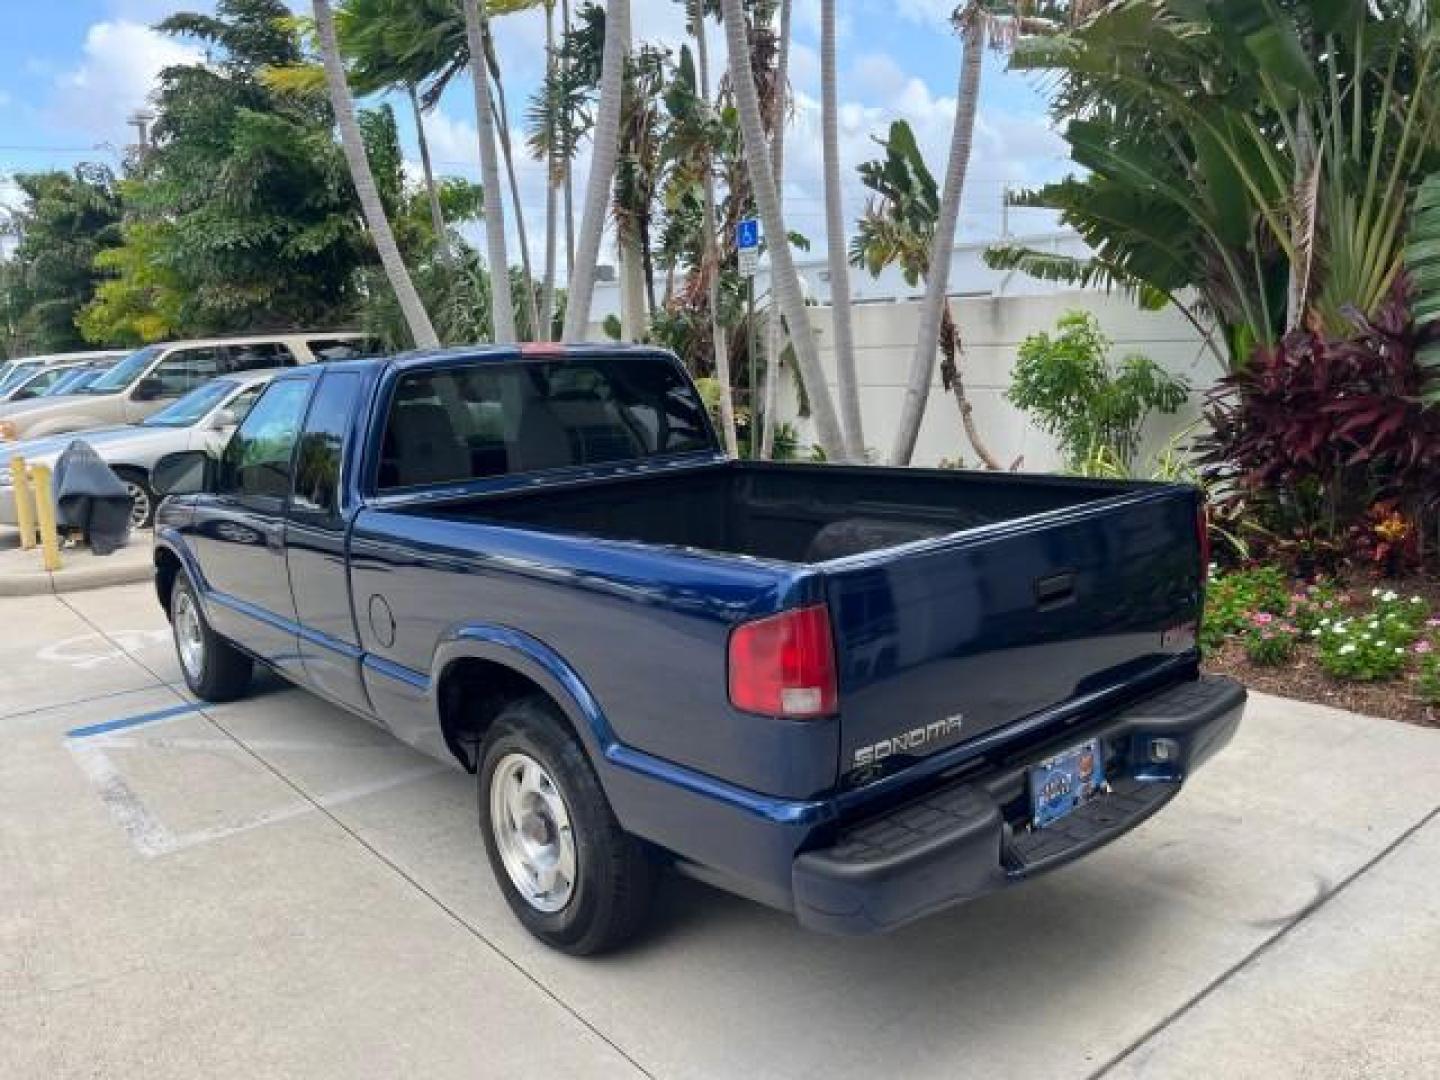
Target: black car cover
{"type": "Point", "coordinates": [91, 498]}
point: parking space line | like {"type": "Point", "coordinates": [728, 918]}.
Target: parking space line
{"type": "Point", "coordinates": [132, 721]}
{"type": "Point", "coordinates": [146, 832]}
{"type": "Point", "coordinates": [400, 872]}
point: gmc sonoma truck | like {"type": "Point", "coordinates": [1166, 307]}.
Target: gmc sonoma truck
{"type": "Point", "coordinates": [858, 694]}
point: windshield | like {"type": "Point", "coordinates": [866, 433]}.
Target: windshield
{"type": "Point", "coordinates": [193, 407]}
{"type": "Point", "coordinates": [15, 374]}
{"type": "Point", "coordinates": [72, 381]}
{"type": "Point", "coordinates": [125, 372]}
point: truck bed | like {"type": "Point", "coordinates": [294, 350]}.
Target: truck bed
{"type": "Point", "coordinates": [803, 514]}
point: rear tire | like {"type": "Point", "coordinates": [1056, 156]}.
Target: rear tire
{"type": "Point", "coordinates": [572, 876]}
{"type": "Point", "coordinates": [214, 669]}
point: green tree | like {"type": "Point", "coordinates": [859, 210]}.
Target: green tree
{"type": "Point", "coordinates": [1261, 154]}
{"type": "Point", "coordinates": [249, 198]}
{"type": "Point", "coordinates": [64, 221]}
{"type": "Point", "coordinates": [1095, 408]}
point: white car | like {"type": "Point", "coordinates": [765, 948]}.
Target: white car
{"type": "Point", "coordinates": [150, 378]}
{"type": "Point", "coordinates": [201, 420]}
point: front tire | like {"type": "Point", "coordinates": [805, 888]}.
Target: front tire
{"type": "Point", "coordinates": [213, 668]}
{"type": "Point", "coordinates": [142, 497]}
{"type": "Point", "coordinates": [571, 875]}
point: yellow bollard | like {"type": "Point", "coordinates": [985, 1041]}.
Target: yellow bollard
{"type": "Point", "coordinates": [24, 501]}
{"type": "Point", "coordinates": [45, 514]}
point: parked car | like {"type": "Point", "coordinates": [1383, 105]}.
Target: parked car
{"type": "Point", "coordinates": [201, 420]}
{"type": "Point", "coordinates": [29, 383]}
{"type": "Point", "coordinates": [859, 694]}
{"type": "Point", "coordinates": [148, 379]}
{"type": "Point", "coordinates": [15, 372]}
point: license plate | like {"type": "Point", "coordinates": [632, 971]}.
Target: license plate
{"type": "Point", "coordinates": [1064, 782]}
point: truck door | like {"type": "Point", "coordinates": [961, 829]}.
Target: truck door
{"type": "Point", "coordinates": [315, 543]}
{"type": "Point", "coordinates": [241, 546]}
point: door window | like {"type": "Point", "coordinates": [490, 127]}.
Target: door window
{"type": "Point", "coordinates": [257, 459]}
{"type": "Point", "coordinates": [317, 465]}
{"type": "Point", "coordinates": [262, 354]}
{"type": "Point", "coordinates": [183, 370]}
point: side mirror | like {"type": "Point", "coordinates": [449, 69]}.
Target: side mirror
{"type": "Point", "coordinates": [148, 389]}
{"type": "Point", "coordinates": [185, 472]}
{"type": "Point", "coordinates": [225, 419]}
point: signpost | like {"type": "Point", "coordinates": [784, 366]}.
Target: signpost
{"type": "Point", "coordinates": [747, 246]}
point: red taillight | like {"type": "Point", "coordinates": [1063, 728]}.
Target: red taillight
{"type": "Point", "coordinates": [784, 665]}
{"type": "Point", "coordinates": [1202, 529]}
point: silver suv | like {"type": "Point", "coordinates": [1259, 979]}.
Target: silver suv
{"type": "Point", "coordinates": [150, 378]}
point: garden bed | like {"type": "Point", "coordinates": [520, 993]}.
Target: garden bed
{"type": "Point", "coordinates": [1245, 606]}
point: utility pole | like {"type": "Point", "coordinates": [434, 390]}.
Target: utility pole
{"type": "Point", "coordinates": [141, 120]}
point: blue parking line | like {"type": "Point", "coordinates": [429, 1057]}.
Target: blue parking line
{"type": "Point", "coordinates": [131, 721]}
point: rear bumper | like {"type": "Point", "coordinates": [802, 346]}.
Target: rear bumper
{"type": "Point", "coordinates": [968, 839]}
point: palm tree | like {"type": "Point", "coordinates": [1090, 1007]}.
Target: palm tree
{"type": "Point", "coordinates": [553, 180]}
{"type": "Point", "coordinates": [350, 138]}
{"type": "Point", "coordinates": [432, 191]}
{"type": "Point", "coordinates": [835, 236]}
{"type": "Point", "coordinates": [602, 169]}
{"type": "Point", "coordinates": [786, 282]}
{"type": "Point", "coordinates": [495, 248]}
{"type": "Point", "coordinates": [971, 20]}
{"type": "Point", "coordinates": [711, 254]}
{"type": "Point", "coordinates": [774, 331]}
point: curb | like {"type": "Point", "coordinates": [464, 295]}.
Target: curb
{"type": "Point", "coordinates": [125, 567]}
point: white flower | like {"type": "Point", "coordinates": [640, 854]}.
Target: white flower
{"type": "Point", "coordinates": [1400, 651]}
{"type": "Point", "coordinates": [1345, 650]}
{"type": "Point", "coordinates": [1374, 624]}
{"type": "Point", "coordinates": [1416, 600]}
{"type": "Point", "coordinates": [1389, 598]}
{"type": "Point", "coordinates": [1374, 592]}
{"type": "Point", "coordinates": [1315, 632]}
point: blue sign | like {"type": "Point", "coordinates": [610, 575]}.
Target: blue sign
{"type": "Point", "coordinates": [747, 234]}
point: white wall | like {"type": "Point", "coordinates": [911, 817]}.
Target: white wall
{"type": "Point", "coordinates": [992, 328]}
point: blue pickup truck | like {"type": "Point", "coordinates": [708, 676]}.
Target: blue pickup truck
{"type": "Point", "coordinates": [858, 694]}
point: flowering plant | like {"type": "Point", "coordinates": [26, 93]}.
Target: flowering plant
{"type": "Point", "coordinates": [1270, 640]}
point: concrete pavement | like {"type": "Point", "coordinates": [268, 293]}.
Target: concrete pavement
{"type": "Point", "coordinates": [273, 888]}
{"type": "Point", "coordinates": [23, 574]}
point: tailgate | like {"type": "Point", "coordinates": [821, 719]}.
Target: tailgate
{"type": "Point", "coordinates": [944, 641]}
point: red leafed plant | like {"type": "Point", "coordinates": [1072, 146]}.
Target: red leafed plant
{"type": "Point", "coordinates": [1317, 431]}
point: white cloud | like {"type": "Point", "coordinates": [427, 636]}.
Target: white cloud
{"type": "Point", "coordinates": [116, 75]}
{"type": "Point", "coordinates": [926, 12]}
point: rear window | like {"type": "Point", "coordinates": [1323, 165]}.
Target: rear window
{"type": "Point", "coordinates": [487, 419]}
{"type": "Point", "coordinates": [331, 349]}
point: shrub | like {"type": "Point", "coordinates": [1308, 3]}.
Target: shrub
{"type": "Point", "coordinates": [1318, 432]}
{"type": "Point", "coordinates": [1231, 600]}
{"type": "Point", "coordinates": [1373, 645]}
{"type": "Point", "coordinates": [1270, 640]}
{"type": "Point", "coordinates": [1427, 683]}
{"type": "Point", "coordinates": [1092, 406]}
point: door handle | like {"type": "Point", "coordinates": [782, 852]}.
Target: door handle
{"type": "Point", "coordinates": [1055, 591]}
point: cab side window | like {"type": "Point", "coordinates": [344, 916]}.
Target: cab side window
{"type": "Point", "coordinates": [317, 465]}
{"type": "Point", "coordinates": [258, 458]}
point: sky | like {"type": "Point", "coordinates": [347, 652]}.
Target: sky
{"type": "Point", "coordinates": [71, 71]}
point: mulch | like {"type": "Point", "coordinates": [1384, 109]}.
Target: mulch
{"type": "Point", "coordinates": [1303, 679]}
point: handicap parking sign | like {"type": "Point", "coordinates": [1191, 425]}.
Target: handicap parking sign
{"type": "Point", "coordinates": [747, 234]}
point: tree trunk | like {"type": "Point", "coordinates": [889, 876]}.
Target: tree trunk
{"type": "Point", "coordinates": [502, 304]}
{"type": "Point", "coordinates": [765, 417]}
{"type": "Point", "coordinates": [531, 307]}
{"type": "Point", "coordinates": [432, 192]}
{"type": "Point", "coordinates": [767, 201]}
{"type": "Point", "coordinates": [602, 169]}
{"type": "Point", "coordinates": [353, 143]}
{"type": "Point", "coordinates": [937, 283]}
{"type": "Point", "coordinates": [845, 375]}
{"type": "Point", "coordinates": [952, 380]}
{"type": "Point", "coordinates": [544, 331]}
{"type": "Point", "coordinates": [632, 284]}
{"type": "Point", "coordinates": [569, 164]}
{"type": "Point", "coordinates": [711, 255]}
